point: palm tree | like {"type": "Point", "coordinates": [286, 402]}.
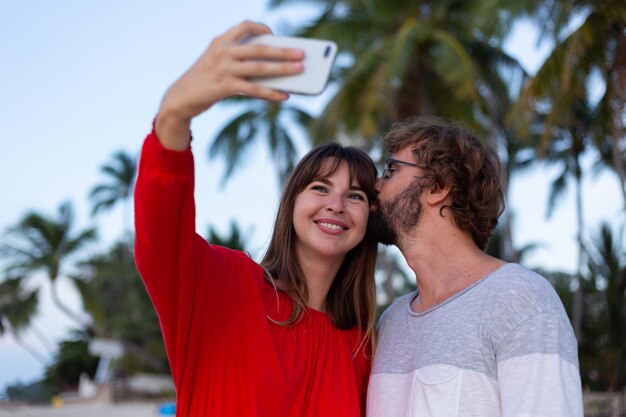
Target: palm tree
{"type": "Point", "coordinates": [559, 96]}
{"type": "Point", "coordinates": [496, 249]}
{"type": "Point", "coordinates": [41, 243]}
{"type": "Point", "coordinates": [120, 172]}
{"type": "Point", "coordinates": [412, 58]}
{"type": "Point", "coordinates": [594, 52]}
{"type": "Point", "coordinates": [567, 151]}
{"type": "Point", "coordinates": [113, 295]}
{"type": "Point", "coordinates": [398, 59]}
{"type": "Point", "coordinates": [260, 119]}
{"type": "Point", "coordinates": [18, 307]}
{"type": "Point", "coordinates": [234, 239]}
{"type": "Point", "coordinates": [603, 349]}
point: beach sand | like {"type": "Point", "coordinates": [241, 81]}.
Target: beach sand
{"type": "Point", "coordinates": [130, 409]}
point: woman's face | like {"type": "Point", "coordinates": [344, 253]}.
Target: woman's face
{"type": "Point", "coordinates": [330, 216]}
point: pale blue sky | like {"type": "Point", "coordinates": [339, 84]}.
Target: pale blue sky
{"type": "Point", "coordinates": [81, 80]}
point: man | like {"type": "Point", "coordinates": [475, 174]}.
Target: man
{"type": "Point", "coordinates": [479, 337]}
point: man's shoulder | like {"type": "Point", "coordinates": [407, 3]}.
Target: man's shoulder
{"type": "Point", "coordinates": [396, 307]}
{"type": "Point", "coordinates": [516, 284]}
{"type": "Point", "coordinates": [522, 299]}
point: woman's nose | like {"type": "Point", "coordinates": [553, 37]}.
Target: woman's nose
{"type": "Point", "coordinates": [336, 204]}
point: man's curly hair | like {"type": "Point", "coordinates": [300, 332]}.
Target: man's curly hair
{"type": "Point", "coordinates": [450, 155]}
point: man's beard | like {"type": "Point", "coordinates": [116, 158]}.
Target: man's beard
{"type": "Point", "coordinates": [397, 216]}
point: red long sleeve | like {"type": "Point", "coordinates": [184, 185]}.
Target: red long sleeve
{"type": "Point", "coordinates": [227, 357]}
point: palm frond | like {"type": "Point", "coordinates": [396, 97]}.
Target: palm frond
{"type": "Point", "coordinates": [557, 192]}
{"type": "Point", "coordinates": [234, 139]}
{"type": "Point", "coordinates": [18, 306]}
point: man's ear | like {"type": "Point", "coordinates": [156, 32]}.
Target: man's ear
{"type": "Point", "coordinates": [437, 194]}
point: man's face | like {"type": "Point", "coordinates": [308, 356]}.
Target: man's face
{"type": "Point", "coordinates": [399, 205]}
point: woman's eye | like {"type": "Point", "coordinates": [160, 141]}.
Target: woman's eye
{"type": "Point", "coordinates": [319, 188]}
{"type": "Point", "coordinates": [358, 197]}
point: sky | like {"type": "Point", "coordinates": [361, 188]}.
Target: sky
{"type": "Point", "coordinates": [81, 80]}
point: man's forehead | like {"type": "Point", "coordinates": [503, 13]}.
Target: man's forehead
{"type": "Point", "coordinates": [404, 154]}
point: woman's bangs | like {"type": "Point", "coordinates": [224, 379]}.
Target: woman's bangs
{"type": "Point", "coordinates": [327, 167]}
{"type": "Point", "coordinates": [324, 161]}
{"type": "Point", "coordinates": [364, 173]}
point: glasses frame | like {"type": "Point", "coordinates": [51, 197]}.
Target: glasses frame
{"type": "Point", "coordinates": [390, 161]}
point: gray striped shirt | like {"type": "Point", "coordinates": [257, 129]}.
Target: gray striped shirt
{"type": "Point", "coordinates": [501, 347]}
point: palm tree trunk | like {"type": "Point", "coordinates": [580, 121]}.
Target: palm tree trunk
{"type": "Point", "coordinates": [43, 339]}
{"type": "Point", "coordinates": [506, 245]}
{"type": "Point", "coordinates": [127, 253]}
{"type": "Point", "coordinates": [412, 98]}
{"type": "Point", "coordinates": [42, 359]}
{"type": "Point", "coordinates": [388, 272]}
{"type": "Point", "coordinates": [617, 103]}
{"type": "Point", "coordinates": [617, 155]}
{"type": "Point", "coordinates": [144, 357]}
{"type": "Point", "coordinates": [577, 312]}
{"type": "Point", "coordinates": [57, 301]}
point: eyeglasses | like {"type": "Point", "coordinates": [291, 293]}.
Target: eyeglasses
{"type": "Point", "coordinates": [389, 169]}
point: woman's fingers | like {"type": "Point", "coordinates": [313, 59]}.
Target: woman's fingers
{"type": "Point", "coordinates": [259, 51]}
{"type": "Point", "coordinates": [243, 30]}
{"type": "Point", "coordinates": [257, 91]}
{"type": "Point", "coordinates": [225, 69]}
{"type": "Point", "coordinates": [256, 68]}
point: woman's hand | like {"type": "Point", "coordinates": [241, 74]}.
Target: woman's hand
{"type": "Point", "coordinates": [222, 71]}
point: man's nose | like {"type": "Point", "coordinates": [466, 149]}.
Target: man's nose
{"type": "Point", "coordinates": [379, 183]}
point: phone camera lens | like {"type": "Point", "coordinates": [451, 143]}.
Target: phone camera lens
{"type": "Point", "coordinates": [327, 52]}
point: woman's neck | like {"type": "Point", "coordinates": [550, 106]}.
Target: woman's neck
{"type": "Point", "coordinates": [319, 273]}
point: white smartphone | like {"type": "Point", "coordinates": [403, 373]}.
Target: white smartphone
{"type": "Point", "coordinates": [319, 56]}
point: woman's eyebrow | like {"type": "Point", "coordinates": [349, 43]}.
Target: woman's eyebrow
{"type": "Point", "coordinates": [327, 181]}
{"type": "Point", "coordinates": [324, 180]}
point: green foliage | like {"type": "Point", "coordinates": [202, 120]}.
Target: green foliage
{"type": "Point", "coordinates": [18, 305]}
{"type": "Point", "coordinates": [39, 243]}
{"type": "Point", "coordinates": [412, 58]}
{"type": "Point", "coordinates": [36, 393]}
{"type": "Point", "coordinates": [234, 240]}
{"type": "Point", "coordinates": [72, 360]}
{"type": "Point", "coordinates": [495, 247]}
{"type": "Point", "coordinates": [585, 57]}
{"type": "Point", "coordinates": [602, 345]}
{"type": "Point", "coordinates": [120, 172]}
{"type": "Point", "coordinates": [114, 296]}
{"type": "Point", "coordinates": [260, 120]}
{"type": "Point", "coordinates": [603, 349]}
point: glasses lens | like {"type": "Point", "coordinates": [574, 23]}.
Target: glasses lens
{"type": "Point", "coordinates": [387, 170]}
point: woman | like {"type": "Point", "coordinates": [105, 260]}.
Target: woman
{"type": "Point", "coordinates": [291, 336]}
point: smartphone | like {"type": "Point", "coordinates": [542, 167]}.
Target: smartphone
{"type": "Point", "coordinates": [319, 56]}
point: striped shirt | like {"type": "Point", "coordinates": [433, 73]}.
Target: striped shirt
{"type": "Point", "coordinates": [503, 346]}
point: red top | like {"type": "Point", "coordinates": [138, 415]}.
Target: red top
{"type": "Point", "coordinates": [227, 358]}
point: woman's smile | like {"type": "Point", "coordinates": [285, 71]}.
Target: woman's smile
{"type": "Point", "coordinates": [330, 215]}
{"type": "Point", "coordinates": [331, 226]}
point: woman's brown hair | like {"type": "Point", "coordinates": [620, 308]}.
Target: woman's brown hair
{"type": "Point", "coordinates": [351, 300]}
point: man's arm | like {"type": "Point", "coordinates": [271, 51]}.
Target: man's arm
{"type": "Point", "coordinates": [538, 372]}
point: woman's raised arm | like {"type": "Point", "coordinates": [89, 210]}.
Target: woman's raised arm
{"type": "Point", "coordinates": [222, 71]}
